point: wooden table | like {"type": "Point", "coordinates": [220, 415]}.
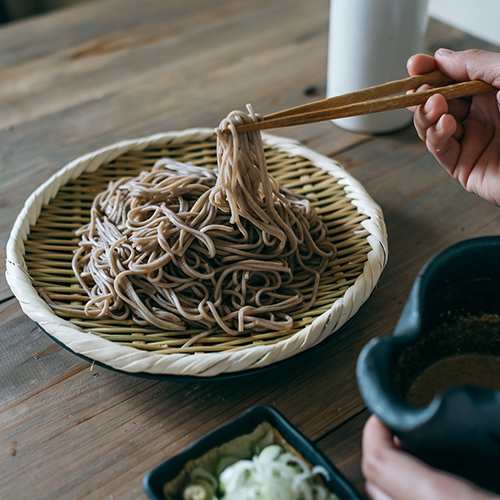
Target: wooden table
{"type": "Point", "coordinates": [112, 69]}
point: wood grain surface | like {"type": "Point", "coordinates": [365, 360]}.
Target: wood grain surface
{"type": "Point", "coordinates": [84, 77]}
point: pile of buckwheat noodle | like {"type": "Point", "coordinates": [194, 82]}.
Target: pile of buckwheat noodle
{"type": "Point", "coordinates": [185, 249]}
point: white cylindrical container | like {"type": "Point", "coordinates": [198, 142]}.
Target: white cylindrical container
{"type": "Point", "coordinates": [370, 42]}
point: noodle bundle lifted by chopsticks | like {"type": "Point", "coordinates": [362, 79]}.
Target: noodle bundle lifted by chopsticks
{"type": "Point", "coordinates": [185, 249]}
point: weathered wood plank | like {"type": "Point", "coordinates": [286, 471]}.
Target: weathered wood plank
{"type": "Point", "coordinates": [125, 431]}
{"type": "Point", "coordinates": [343, 447]}
{"type": "Point", "coordinates": [28, 356]}
{"type": "Point", "coordinates": [170, 83]}
{"type": "Point", "coordinates": [416, 187]}
{"type": "Point", "coordinates": [64, 107]}
{"type": "Point", "coordinates": [149, 51]}
{"type": "Point", "coordinates": [117, 69]}
{"type": "Point", "coordinates": [424, 208]}
{"type": "Point", "coordinates": [119, 426]}
{"type": "Point", "coordinates": [87, 22]}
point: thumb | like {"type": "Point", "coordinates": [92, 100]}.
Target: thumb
{"type": "Point", "coordinates": [470, 65]}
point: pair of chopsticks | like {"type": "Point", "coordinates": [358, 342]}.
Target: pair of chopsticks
{"type": "Point", "coordinates": [369, 100]}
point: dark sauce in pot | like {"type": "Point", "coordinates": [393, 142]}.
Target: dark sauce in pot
{"type": "Point", "coordinates": [464, 369]}
{"type": "Point", "coordinates": [463, 350]}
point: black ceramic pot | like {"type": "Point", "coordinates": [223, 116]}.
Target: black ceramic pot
{"type": "Point", "coordinates": [459, 429]}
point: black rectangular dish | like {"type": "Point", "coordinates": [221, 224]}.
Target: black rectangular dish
{"type": "Point", "coordinates": [156, 480]}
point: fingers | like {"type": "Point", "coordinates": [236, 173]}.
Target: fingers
{"type": "Point", "coordinates": [459, 108]}
{"type": "Point", "coordinates": [427, 115]}
{"type": "Point", "coordinates": [376, 493]}
{"type": "Point", "coordinates": [442, 143]}
{"type": "Point", "coordinates": [393, 474]}
{"type": "Point", "coordinates": [376, 435]}
{"type": "Point", "coordinates": [420, 64]}
{"type": "Point", "coordinates": [422, 88]}
{"type": "Point", "coordinates": [470, 65]}
{"type": "Point", "coordinates": [388, 470]}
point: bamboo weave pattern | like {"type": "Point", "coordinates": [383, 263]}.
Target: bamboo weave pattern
{"type": "Point", "coordinates": [51, 242]}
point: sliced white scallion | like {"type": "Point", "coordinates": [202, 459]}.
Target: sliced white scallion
{"type": "Point", "coordinates": [272, 474]}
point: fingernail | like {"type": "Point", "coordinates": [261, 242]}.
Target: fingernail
{"type": "Point", "coordinates": [444, 52]}
{"type": "Point", "coordinates": [439, 124]}
{"type": "Point", "coordinates": [429, 104]}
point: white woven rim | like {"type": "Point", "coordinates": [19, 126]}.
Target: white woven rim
{"type": "Point", "coordinates": [134, 360]}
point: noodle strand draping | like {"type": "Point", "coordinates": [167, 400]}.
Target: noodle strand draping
{"type": "Point", "coordinates": [182, 249]}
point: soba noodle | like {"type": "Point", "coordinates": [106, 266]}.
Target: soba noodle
{"type": "Point", "coordinates": [183, 249]}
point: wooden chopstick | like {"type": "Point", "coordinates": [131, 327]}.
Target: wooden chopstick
{"type": "Point", "coordinates": [353, 107]}
{"type": "Point", "coordinates": [435, 78]}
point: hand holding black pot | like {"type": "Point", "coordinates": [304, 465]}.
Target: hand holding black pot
{"type": "Point", "coordinates": [464, 137]}
{"type": "Point", "coordinates": [394, 474]}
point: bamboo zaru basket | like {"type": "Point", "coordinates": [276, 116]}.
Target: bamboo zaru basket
{"type": "Point", "coordinates": [43, 239]}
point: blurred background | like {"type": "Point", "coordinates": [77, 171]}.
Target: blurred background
{"type": "Point", "coordinates": [11, 10]}
{"type": "Point", "coordinates": [480, 22]}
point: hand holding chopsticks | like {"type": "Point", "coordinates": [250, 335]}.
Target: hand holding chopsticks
{"type": "Point", "coordinates": [370, 100]}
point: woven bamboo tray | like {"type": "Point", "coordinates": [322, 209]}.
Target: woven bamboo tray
{"type": "Point", "coordinates": [42, 242]}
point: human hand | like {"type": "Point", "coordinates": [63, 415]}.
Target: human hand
{"type": "Point", "coordinates": [392, 474]}
{"type": "Point", "coordinates": [463, 134]}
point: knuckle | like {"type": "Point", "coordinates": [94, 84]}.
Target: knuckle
{"type": "Point", "coordinates": [431, 139]}
{"type": "Point", "coordinates": [473, 52]}
{"type": "Point", "coordinates": [419, 126]}
{"type": "Point", "coordinates": [368, 468]}
{"type": "Point", "coordinates": [432, 146]}
{"type": "Point", "coordinates": [373, 462]}
{"type": "Point", "coordinates": [436, 487]}
{"type": "Point", "coordinates": [462, 176]}
{"type": "Point", "coordinates": [479, 65]}
{"type": "Point", "coordinates": [434, 135]}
